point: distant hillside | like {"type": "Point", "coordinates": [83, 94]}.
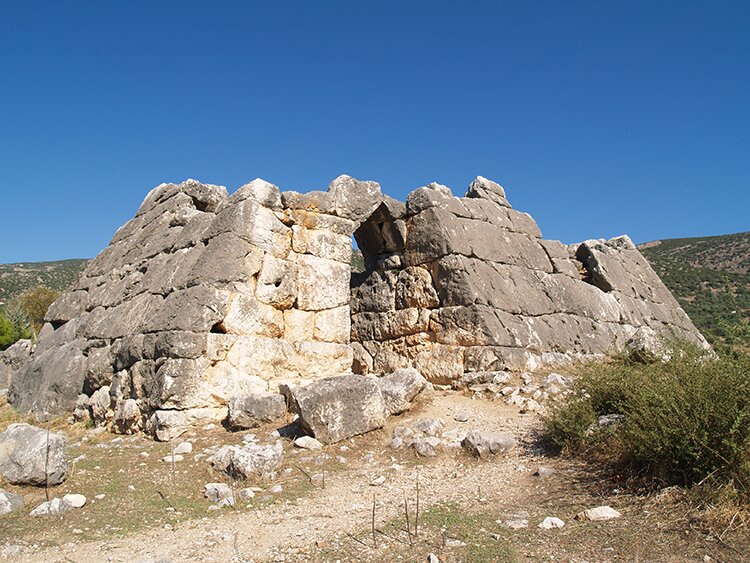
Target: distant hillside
{"type": "Point", "coordinates": [709, 276]}
{"type": "Point", "coordinates": [60, 275]}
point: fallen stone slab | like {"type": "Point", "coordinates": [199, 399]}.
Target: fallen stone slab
{"type": "Point", "coordinates": [253, 409]}
{"type": "Point", "coordinates": [337, 408]}
{"type": "Point", "coordinates": [53, 507]}
{"type": "Point", "coordinates": [400, 388]}
{"type": "Point", "coordinates": [24, 459]}
{"type": "Point", "coordinates": [241, 462]}
{"type": "Point", "coordinates": [480, 443]}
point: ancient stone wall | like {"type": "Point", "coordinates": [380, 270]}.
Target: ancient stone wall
{"type": "Point", "coordinates": [203, 297]}
{"type": "Point", "coordinates": [468, 284]}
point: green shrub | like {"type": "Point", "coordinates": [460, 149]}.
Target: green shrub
{"type": "Point", "coordinates": [7, 332]}
{"type": "Point", "coordinates": [685, 420]}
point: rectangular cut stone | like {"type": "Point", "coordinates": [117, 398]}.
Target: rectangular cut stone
{"type": "Point", "coordinates": [333, 325]}
{"type": "Point", "coordinates": [322, 243]}
{"type": "Point", "coordinates": [321, 283]}
{"type": "Point", "coordinates": [299, 325]}
{"type": "Point", "coordinates": [319, 359]}
{"type": "Point", "coordinates": [337, 408]}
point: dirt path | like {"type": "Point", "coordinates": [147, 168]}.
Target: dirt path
{"type": "Point", "coordinates": [335, 522]}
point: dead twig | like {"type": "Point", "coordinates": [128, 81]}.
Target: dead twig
{"type": "Point", "coordinates": [721, 537]}
{"type": "Point", "coordinates": [374, 539]}
{"type": "Point", "coordinates": [46, 465]}
{"type": "Point", "coordinates": [416, 516]}
{"type": "Point", "coordinates": [408, 526]}
{"type": "Point", "coordinates": [357, 540]}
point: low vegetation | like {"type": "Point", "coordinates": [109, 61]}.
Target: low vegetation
{"type": "Point", "coordinates": [683, 422]}
{"type": "Point", "coordinates": [24, 315]}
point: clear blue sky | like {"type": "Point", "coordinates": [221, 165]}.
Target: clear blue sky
{"type": "Point", "coordinates": [599, 117]}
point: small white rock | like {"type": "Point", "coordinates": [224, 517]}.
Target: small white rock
{"type": "Point", "coordinates": [171, 458]}
{"type": "Point", "coordinates": [76, 501]}
{"type": "Point", "coordinates": [377, 481]}
{"type": "Point", "coordinates": [183, 448]}
{"type": "Point", "coordinates": [308, 443]}
{"type": "Point", "coordinates": [551, 522]}
{"type": "Point", "coordinates": [275, 489]}
{"type": "Point", "coordinates": [100, 496]}
{"type": "Point", "coordinates": [599, 514]}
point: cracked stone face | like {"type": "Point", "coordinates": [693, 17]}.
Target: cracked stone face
{"type": "Point", "coordinates": [203, 298]}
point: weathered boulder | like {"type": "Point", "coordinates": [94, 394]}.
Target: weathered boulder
{"type": "Point", "coordinates": [241, 462]}
{"type": "Point", "coordinates": [12, 359]}
{"type": "Point", "coordinates": [10, 502]}
{"type": "Point", "coordinates": [32, 456]}
{"type": "Point", "coordinates": [646, 346]}
{"type": "Point", "coordinates": [337, 408]}
{"type": "Point", "coordinates": [400, 388]}
{"type": "Point", "coordinates": [216, 492]}
{"type": "Point", "coordinates": [480, 443]}
{"type": "Point", "coordinates": [127, 417]}
{"type": "Point", "coordinates": [254, 409]}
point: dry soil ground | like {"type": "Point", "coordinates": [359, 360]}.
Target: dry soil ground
{"type": "Point", "coordinates": [153, 511]}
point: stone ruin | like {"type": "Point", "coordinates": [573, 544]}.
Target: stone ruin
{"type": "Point", "coordinates": [204, 297]}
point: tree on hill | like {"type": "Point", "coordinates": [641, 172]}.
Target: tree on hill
{"type": "Point", "coordinates": [33, 303]}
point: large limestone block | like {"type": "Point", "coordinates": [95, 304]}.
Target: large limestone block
{"type": "Point", "coordinates": [400, 388]}
{"type": "Point", "coordinates": [205, 197]}
{"type": "Point", "coordinates": [484, 188]}
{"type": "Point", "coordinates": [226, 258]}
{"type": "Point", "coordinates": [277, 282]}
{"type": "Point", "coordinates": [247, 315]}
{"type": "Point", "coordinates": [12, 359]}
{"type": "Point", "coordinates": [321, 283]}
{"type": "Point", "coordinates": [299, 325]}
{"type": "Point", "coordinates": [374, 291]}
{"type": "Point", "coordinates": [435, 233]}
{"type": "Point", "coordinates": [393, 324]}
{"type": "Point", "coordinates": [337, 408]}
{"type": "Point", "coordinates": [414, 289]}
{"type": "Point", "coordinates": [249, 460]}
{"type": "Point", "coordinates": [131, 317]}
{"type": "Point", "coordinates": [318, 359]}
{"type": "Point", "coordinates": [50, 382]}
{"type": "Point", "coordinates": [165, 425]}
{"type": "Point", "coordinates": [265, 193]}
{"type": "Point", "coordinates": [66, 307]}
{"type": "Point", "coordinates": [333, 325]}
{"type": "Point", "coordinates": [431, 196]}
{"type": "Point", "coordinates": [253, 409]}
{"type": "Point", "coordinates": [267, 358]}
{"type": "Point", "coordinates": [354, 199]}
{"type": "Point", "coordinates": [442, 364]}
{"type": "Point", "coordinates": [321, 243]}
{"type": "Point", "coordinates": [196, 309]}
{"type": "Point", "coordinates": [468, 326]}
{"type": "Point", "coordinates": [32, 456]}
{"type": "Point", "coordinates": [314, 220]}
{"type": "Point", "coordinates": [254, 223]}
{"type": "Point", "coordinates": [180, 384]}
